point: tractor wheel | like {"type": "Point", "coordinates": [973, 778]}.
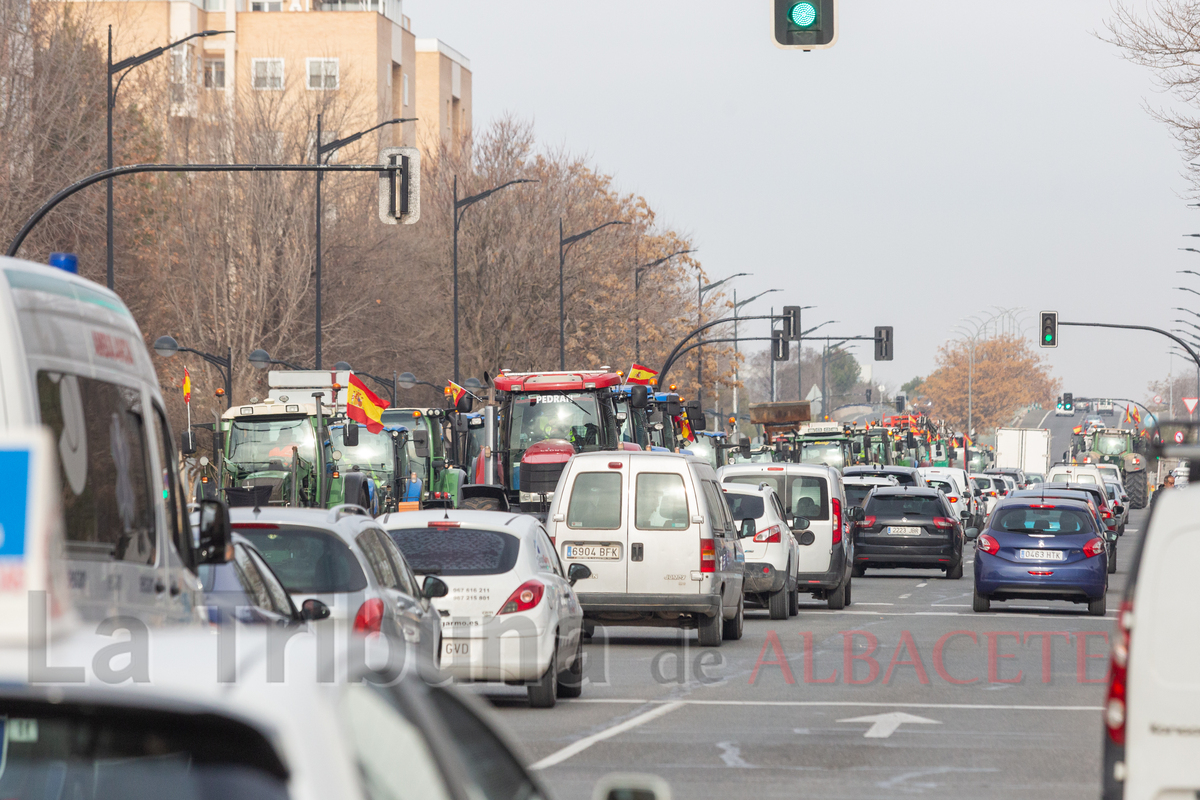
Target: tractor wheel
{"type": "Point", "coordinates": [1135, 484]}
{"type": "Point", "coordinates": [482, 504]}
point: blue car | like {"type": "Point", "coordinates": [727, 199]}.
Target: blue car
{"type": "Point", "coordinates": [1041, 549]}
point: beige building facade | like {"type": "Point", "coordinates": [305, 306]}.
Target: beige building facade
{"type": "Point", "coordinates": [364, 51]}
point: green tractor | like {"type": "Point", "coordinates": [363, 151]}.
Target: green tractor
{"type": "Point", "coordinates": [1116, 446]}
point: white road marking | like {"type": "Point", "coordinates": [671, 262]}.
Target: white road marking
{"type": "Point", "coordinates": [575, 748]}
{"type": "Point", "coordinates": [731, 754]}
{"type": "Point", "coordinates": [950, 605]}
{"type": "Point", "coordinates": [905, 596]}
{"type": "Point", "coordinates": [874, 604]}
{"type": "Point", "coordinates": [1043, 421]}
{"type": "Point", "coordinates": [919, 585]}
{"type": "Point", "coordinates": [1131, 530]}
{"type": "Point", "coordinates": [884, 725]}
{"type": "Point", "coordinates": [993, 613]}
{"type": "Point", "coordinates": [672, 704]}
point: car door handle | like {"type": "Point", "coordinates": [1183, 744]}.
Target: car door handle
{"type": "Point", "coordinates": [160, 587]}
{"type": "Point", "coordinates": [175, 590]}
{"type": "Point", "coordinates": [636, 552]}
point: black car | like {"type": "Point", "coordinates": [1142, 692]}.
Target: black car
{"type": "Point", "coordinates": [905, 476]}
{"type": "Point", "coordinates": [909, 528]}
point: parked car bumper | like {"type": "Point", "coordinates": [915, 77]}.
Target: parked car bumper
{"type": "Point", "coordinates": [763, 577]}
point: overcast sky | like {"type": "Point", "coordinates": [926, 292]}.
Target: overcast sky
{"type": "Point", "coordinates": [945, 157]}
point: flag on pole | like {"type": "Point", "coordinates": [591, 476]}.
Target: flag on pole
{"type": "Point", "coordinates": [640, 374]}
{"type": "Point", "coordinates": [187, 386]}
{"type": "Point", "coordinates": [1078, 429]}
{"type": "Point", "coordinates": [1128, 415]}
{"type": "Point", "coordinates": [1137, 415]}
{"type": "Point", "coordinates": [363, 405]}
{"type": "Point", "coordinates": [456, 393]}
{"type": "Point", "coordinates": [685, 428]}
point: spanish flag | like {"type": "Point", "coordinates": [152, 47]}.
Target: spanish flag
{"type": "Point", "coordinates": [640, 374]}
{"type": "Point", "coordinates": [1077, 429]}
{"type": "Point", "coordinates": [1128, 415]}
{"type": "Point", "coordinates": [1137, 415]}
{"type": "Point", "coordinates": [456, 392]}
{"type": "Point", "coordinates": [187, 386]}
{"type": "Point", "coordinates": [685, 429]}
{"type": "Point", "coordinates": [363, 406]}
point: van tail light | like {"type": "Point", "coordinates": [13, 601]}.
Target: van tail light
{"type": "Point", "coordinates": [369, 618]}
{"type": "Point", "coordinates": [708, 555]}
{"type": "Point", "coordinates": [1114, 706]}
{"type": "Point", "coordinates": [527, 596]}
{"type": "Point", "coordinates": [943, 523]}
{"type": "Point", "coordinates": [1093, 548]}
{"type": "Point", "coordinates": [987, 544]}
{"type": "Point", "coordinates": [770, 535]}
{"type": "Point", "coordinates": [867, 522]}
{"type": "Point", "coordinates": [837, 520]}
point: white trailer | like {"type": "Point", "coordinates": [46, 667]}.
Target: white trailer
{"type": "Point", "coordinates": [1026, 449]}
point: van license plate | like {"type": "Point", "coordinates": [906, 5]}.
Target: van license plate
{"type": "Point", "coordinates": [902, 531]}
{"type": "Point", "coordinates": [593, 552]}
{"type": "Point", "coordinates": [1043, 555]}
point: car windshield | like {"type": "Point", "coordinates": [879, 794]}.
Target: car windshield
{"type": "Point", "coordinates": [372, 454]}
{"type": "Point", "coordinates": [261, 444]}
{"type": "Point", "coordinates": [744, 506]}
{"type": "Point", "coordinates": [946, 487]}
{"type": "Point", "coordinates": [306, 560]}
{"type": "Point", "coordinates": [856, 494]}
{"type": "Point", "coordinates": [1041, 520]}
{"type": "Point", "coordinates": [1112, 444]}
{"type": "Point", "coordinates": [828, 453]}
{"type": "Point", "coordinates": [902, 478]}
{"type": "Point", "coordinates": [457, 551]}
{"type": "Point", "coordinates": [571, 416]}
{"type": "Point", "coordinates": [904, 505]}
{"type": "Point", "coordinates": [804, 495]}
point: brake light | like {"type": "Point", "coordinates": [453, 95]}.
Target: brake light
{"type": "Point", "coordinates": [1041, 506]}
{"type": "Point", "coordinates": [774, 469]}
{"type": "Point", "coordinates": [943, 523]}
{"type": "Point", "coordinates": [527, 595]}
{"type": "Point", "coordinates": [708, 555]}
{"type": "Point", "coordinates": [771, 534]}
{"type": "Point", "coordinates": [868, 522]}
{"type": "Point", "coordinates": [992, 493]}
{"type": "Point", "coordinates": [1104, 512]}
{"type": "Point", "coordinates": [1093, 548]}
{"type": "Point", "coordinates": [837, 520]}
{"type": "Point", "coordinates": [987, 544]}
{"type": "Point", "coordinates": [444, 523]}
{"type": "Point", "coordinates": [369, 618]}
{"type": "Point", "coordinates": [953, 498]}
{"type": "Point", "coordinates": [1114, 707]}
{"type": "Point", "coordinates": [255, 525]}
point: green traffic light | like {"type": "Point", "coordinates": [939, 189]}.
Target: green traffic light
{"type": "Point", "coordinates": [1049, 337]}
{"type": "Point", "coordinates": [803, 15]}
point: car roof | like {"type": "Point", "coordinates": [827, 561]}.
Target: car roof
{"type": "Point", "coordinates": [745, 488]}
{"type": "Point", "coordinates": [505, 521]}
{"type": "Point", "coordinates": [917, 491]}
{"type": "Point", "coordinates": [1069, 502]}
{"type": "Point", "coordinates": [346, 522]}
{"type": "Point", "coordinates": [868, 480]}
{"type": "Point", "coordinates": [861, 468]}
{"type": "Point", "coordinates": [785, 467]}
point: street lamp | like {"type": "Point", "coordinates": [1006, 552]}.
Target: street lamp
{"type": "Point", "coordinates": [1188, 310]}
{"type": "Point", "coordinates": [459, 207]}
{"type": "Point", "coordinates": [564, 244]}
{"type": "Point", "coordinates": [1186, 289]}
{"type": "Point", "coordinates": [736, 306]}
{"type": "Point", "coordinates": [700, 321]}
{"type": "Point", "coordinates": [262, 360]}
{"type": "Point", "coordinates": [637, 281]}
{"type": "Point", "coordinates": [124, 67]}
{"type": "Point", "coordinates": [167, 347]}
{"type": "Point", "coordinates": [408, 381]}
{"type": "Point", "coordinates": [329, 148]}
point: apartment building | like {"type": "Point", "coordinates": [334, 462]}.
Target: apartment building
{"type": "Point", "coordinates": [365, 50]}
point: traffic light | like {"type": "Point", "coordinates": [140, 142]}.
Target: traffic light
{"type": "Point", "coordinates": [805, 24]}
{"type": "Point", "coordinates": [1068, 401]}
{"type": "Point", "coordinates": [779, 346]}
{"type": "Point", "coordinates": [899, 403]}
{"type": "Point", "coordinates": [883, 342]}
{"type": "Point", "coordinates": [791, 322]}
{"type": "Point", "coordinates": [1060, 405]}
{"type": "Point", "coordinates": [400, 189]}
{"type": "Point", "coordinates": [1049, 329]}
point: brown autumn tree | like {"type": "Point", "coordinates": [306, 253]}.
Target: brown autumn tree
{"type": "Point", "coordinates": [1007, 373]}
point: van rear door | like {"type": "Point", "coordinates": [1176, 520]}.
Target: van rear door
{"type": "Point", "coordinates": [592, 521]}
{"type": "Point", "coordinates": [808, 496]}
{"type": "Point", "coordinates": [664, 545]}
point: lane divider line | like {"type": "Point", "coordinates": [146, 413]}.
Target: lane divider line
{"type": "Point", "coordinates": [575, 748]}
{"type": "Point", "coordinates": [673, 704]}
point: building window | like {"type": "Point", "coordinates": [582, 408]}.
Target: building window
{"type": "Point", "coordinates": [266, 5]}
{"type": "Point", "coordinates": [267, 72]}
{"type": "Point", "coordinates": [214, 73]}
{"type": "Point", "coordinates": [404, 84]}
{"type": "Point", "coordinates": [214, 5]}
{"type": "Point", "coordinates": [179, 75]}
{"type": "Point", "coordinates": [322, 73]}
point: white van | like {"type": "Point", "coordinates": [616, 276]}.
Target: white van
{"type": "Point", "coordinates": [814, 492]}
{"type": "Point", "coordinates": [1075, 473]}
{"type": "Point", "coordinates": [1152, 714]}
{"type": "Point", "coordinates": [72, 359]}
{"type": "Point", "coordinates": [659, 541]}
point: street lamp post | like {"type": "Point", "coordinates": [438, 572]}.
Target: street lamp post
{"type": "Point", "coordinates": [637, 281]}
{"type": "Point", "coordinates": [408, 381]}
{"type": "Point", "coordinates": [321, 150]}
{"type": "Point", "coordinates": [700, 321]}
{"type": "Point", "coordinates": [459, 207]}
{"type": "Point", "coordinates": [564, 244]}
{"type": "Point", "coordinates": [166, 346]}
{"type": "Point", "coordinates": [124, 67]}
{"type": "Point", "coordinates": [261, 360]}
{"type": "Point", "coordinates": [736, 306]}
{"type": "Point", "coordinates": [799, 346]}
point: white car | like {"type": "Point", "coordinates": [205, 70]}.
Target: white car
{"type": "Point", "coordinates": [1119, 500]}
{"type": "Point", "coordinates": [993, 488]}
{"type": "Point", "coordinates": [772, 552]}
{"type": "Point", "coordinates": [343, 558]}
{"type": "Point", "coordinates": [859, 486]}
{"type": "Point", "coordinates": [959, 490]}
{"type": "Point", "coordinates": [511, 615]}
{"type": "Point", "coordinates": [1076, 473]}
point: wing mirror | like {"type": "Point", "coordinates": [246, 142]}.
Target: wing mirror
{"type": "Point", "coordinates": [420, 440]}
{"type": "Point", "coordinates": [350, 434]}
{"type": "Point", "coordinates": [578, 572]}
{"type": "Point", "coordinates": [433, 586]}
{"type": "Point", "coordinates": [696, 417]}
{"type": "Point", "coordinates": [744, 447]}
{"type": "Point", "coordinates": [800, 523]}
{"type": "Point", "coordinates": [215, 532]}
{"type": "Point", "coordinates": [639, 396]}
{"type": "Point", "coordinates": [748, 529]}
{"type": "Point", "coordinates": [855, 513]}
{"type": "Point", "coordinates": [965, 514]}
{"type": "Point", "coordinates": [314, 610]}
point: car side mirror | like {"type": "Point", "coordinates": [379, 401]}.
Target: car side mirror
{"type": "Point", "coordinates": [314, 610]}
{"type": "Point", "coordinates": [748, 529]}
{"type": "Point", "coordinates": [578, 572]}
{"type": "Point", "coordinates": [965, 514]}
{"type": "Point", "coordinates": [350, 434]}
{"type": "Point", "coordinates": [215, 532]}
{"type": "Point", "coordinates": [855, 513]}
{"type": "Point", "coordinates": [800, 524]}
{"type": "Point", "coordinates": [806, 538]}
{"type": "Point", "coordinates": [639, 396]}
{"type": "Point", "coordinates": [420, 440]}
{"type": "Point", "coordinates": [433, 586]}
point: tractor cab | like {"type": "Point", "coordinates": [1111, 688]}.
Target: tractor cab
{"type": "Point", "coordinates": [433, 481]}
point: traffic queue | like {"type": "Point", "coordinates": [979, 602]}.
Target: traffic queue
{"type": "Point", "coordinates": [397, 552]}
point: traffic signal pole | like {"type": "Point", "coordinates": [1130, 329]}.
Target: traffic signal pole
{"type": "Point", "coordinates": [1191, 353]}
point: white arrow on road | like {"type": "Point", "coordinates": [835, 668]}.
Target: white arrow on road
{"type": "Point", "coordinates": [884, 725]}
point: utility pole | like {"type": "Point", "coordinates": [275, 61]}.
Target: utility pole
{"type": "Point", "coordinates": [772, 360]}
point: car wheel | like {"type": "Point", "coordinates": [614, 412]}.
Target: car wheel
{"type": "Point", "coordinates": [955, 572]}
{"type": "Point", "coordinates": [589, 630]}
{"type": "Point", "coordinates": [794, 601]}
{"type": "Point", "coordinates": [1112, 558]}
{"type": "Point", "coordinates": [1097, 608]}
{"type": "Point", "coordinates": [849, 586]}
{"type": "Point", "coordinates": [777, 604]}
{"type": "Point", "coordinates": [981, 602]}
{"type": "Point", "coordinates": [731, 629]}
{"type": "Point", "coordinates": [859, 570]}
{"type": "Point", "coordinates": [570, 681]}
{"type": "Point", "coordinates": [544, 693]}
{"type": "Point", "coordinates": [709, 629]}
{"type": "Point", "coordinates": [837, 597]}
